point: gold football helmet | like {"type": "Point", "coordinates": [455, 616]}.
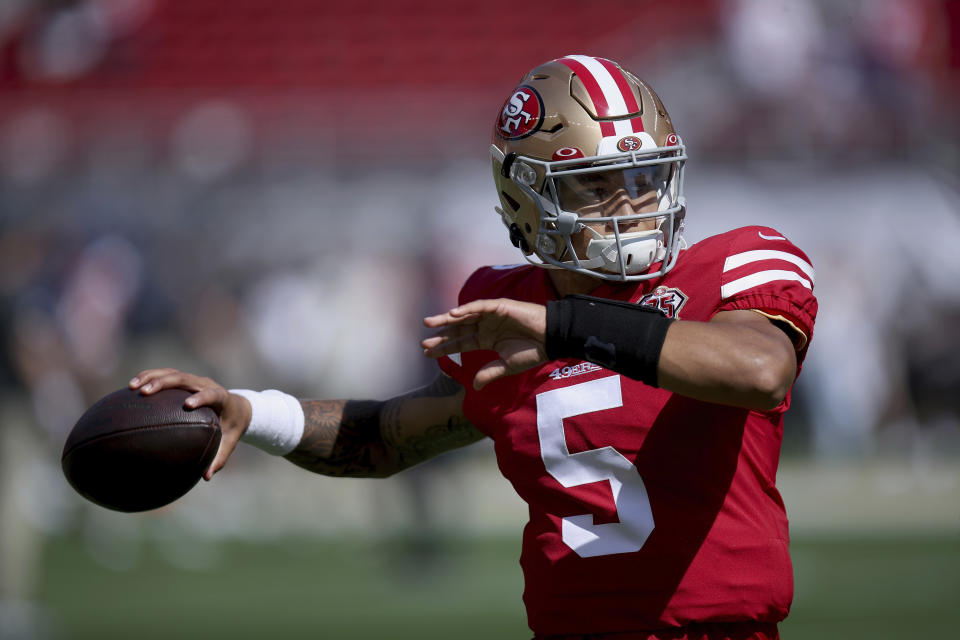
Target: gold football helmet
{"type": "Point", "coordinates": [583, 146]}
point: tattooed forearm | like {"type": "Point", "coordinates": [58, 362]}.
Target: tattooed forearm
{"type": "Point", "coordinates": [367, 438]}
{"type": "Point", "coordinates": [340, 438]}
{"type": "Point", "coordinates": [427, 422]}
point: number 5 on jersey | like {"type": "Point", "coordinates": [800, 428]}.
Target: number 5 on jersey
{"type": "Point", "coordinates": [580, 533]}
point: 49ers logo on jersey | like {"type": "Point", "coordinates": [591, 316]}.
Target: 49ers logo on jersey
{"type": "Point", "coordinates": [667, 300]}
{"type": "Point", "coordinates": [521, 115]}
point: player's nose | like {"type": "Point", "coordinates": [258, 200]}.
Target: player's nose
{"type": "Point", "coordinates": [621, 206]}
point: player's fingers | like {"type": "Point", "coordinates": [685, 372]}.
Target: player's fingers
{"type": "Point", "coordinates": [231, 431]}
{"type": "Point", "coordinates": [176, 380]}
{"type": "Point", "coordinates": [474, 312]}
{"type": "Point", "coordinates": [438, 338]}
{"type": "Point", "coordinates": [227, 445]}
{"type": "Point", "coordinates": [219, 461]}
{"type": "Point", "coordinates": [455, 342]}
{"type": "Point", "coordinates": [234, 419]}
{"type": "Point", "coordinates": [166, 381]}
{"type": "Point", "coordinates": [147, 375]}
{"type": "Point", "coordinates": [214, 397]}
{"type": "Point", "coordinates": [489, 372]}
{"type": "Point", "coordinates": [155, 379]}
{"type": "Point", "coordinates": [447, 335]}
{"type": "Point", "coordinates": [449, 319]}
{"type": "Point", "coordinates": [477, 308]}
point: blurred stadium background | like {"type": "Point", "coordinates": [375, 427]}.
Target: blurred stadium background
{"type": "Point", "coordinates": [273, 194]}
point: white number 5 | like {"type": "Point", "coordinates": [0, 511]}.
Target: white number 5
{"type": "Point", "coordinates": [580, 533]}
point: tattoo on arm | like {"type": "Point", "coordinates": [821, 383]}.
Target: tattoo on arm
{"type": "Point", "coordinates": [436, 430]}
{"type": "Point", "coordinates": [339, 437]}
{"type": "Point", "coordinates": [375, 439]}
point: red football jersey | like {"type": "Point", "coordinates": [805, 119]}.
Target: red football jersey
{"type": "Point", "coordinates": [648, 509]}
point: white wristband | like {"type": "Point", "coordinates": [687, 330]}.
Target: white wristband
{"type": "Point", "coordinates": [276, 424]}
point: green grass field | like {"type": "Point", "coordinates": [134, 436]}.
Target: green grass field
{"type": "Point", "coordinates": [849, 588]}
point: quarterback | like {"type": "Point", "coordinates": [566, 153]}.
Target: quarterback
{"type": "Point", "coordinates": [634, 387]}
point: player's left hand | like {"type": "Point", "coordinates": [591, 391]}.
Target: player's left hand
{"type": "Point", "coordinates": [515, 330]}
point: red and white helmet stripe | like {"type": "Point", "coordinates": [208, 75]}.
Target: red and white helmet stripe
{"type": "Point", "coordinates": [610, 93]}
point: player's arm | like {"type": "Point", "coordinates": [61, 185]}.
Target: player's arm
{"type": "Point", "coordinates": [378, 439]}
{"type": "Point", "coordinates": [739, 358]}
{"type": "Point", "coordinates": [339, 437]}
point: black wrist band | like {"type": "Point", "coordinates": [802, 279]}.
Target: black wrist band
{"type": "Point", "coordinates": [621, 336]}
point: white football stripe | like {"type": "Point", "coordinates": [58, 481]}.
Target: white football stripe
{"type": "Point", "coordinates": [761, 277]}
{"type": "Point", "coordinates": [623, 128]}
{"type": "Point", "coordinates": [740, 259]}
{"type": "Point", "coordinates": [611, 92]}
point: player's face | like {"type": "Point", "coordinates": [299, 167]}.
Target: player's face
{"type": "Point", "coordinates": [615, 192]}
{"type": "Point", "coordinates": [612, 194]}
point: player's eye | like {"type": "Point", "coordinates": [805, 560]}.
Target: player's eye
{"type": "Point", "coordinates": [642, 180]}
{"type": "Point", "coordinates": [599, 191]}
{"type": "Point", "coordinates": [578, 191]}
{"type": "Point", "coordinates": [587, 189]}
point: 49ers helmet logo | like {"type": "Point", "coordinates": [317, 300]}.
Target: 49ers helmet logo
{"type": "Point", "coordinates": [629, 143]}
{"type": "Point", "coordinates": [521, 115]}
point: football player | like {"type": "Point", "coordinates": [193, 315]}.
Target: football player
{"type": "Point", "coordinates": [634, 387]}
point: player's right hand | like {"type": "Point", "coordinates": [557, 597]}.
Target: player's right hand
{"type": "Point", "coordinates": [515, 330]}
{"type": "Point", "coordinates": [234, 411]}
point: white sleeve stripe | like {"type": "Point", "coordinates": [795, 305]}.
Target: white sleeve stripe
{"type": "Point", "coordinates": [740, 259]}
{"type": "Point", "coordinates": [761, 277]}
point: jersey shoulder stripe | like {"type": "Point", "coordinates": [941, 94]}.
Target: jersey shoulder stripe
{"type": "Point", "coordinates": [758, 255]}
{"type": "Point", "coordinates": [749, 269]}
{"type": "Point", "coordinates": [760, 278]}
{"type": "Point", "coordinates": [757, 268]}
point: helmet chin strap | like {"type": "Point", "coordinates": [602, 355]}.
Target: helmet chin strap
{"type": "Point", "coordinates": [640, 249]}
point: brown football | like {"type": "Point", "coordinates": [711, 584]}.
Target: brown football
{"type": "Point", "coordinates": [131, 452]}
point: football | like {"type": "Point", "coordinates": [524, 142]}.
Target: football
{"type": "Point", "coordinates": [131, 452]}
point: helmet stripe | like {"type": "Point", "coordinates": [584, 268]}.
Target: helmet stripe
{"type": "Point", "coordinates": [629, 100]}
{"type": "Point", "coordinates": [603, 89]}
{"type": "Point", "coordinates": [594, 90]}
{"type": "Point", "coordinates": [578, 65]}
{"type": "Point", "coordinates": [609, 91]}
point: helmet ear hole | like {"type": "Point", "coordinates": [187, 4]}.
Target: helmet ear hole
{"type": "Point", "coordinates": [528, 228]}
{"type": "Point", "coordinates": [508, 161]}
{"type": "Point", "coordinates": [510, 201]}
{"type": "Point", "coordinates": [518, 239]}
